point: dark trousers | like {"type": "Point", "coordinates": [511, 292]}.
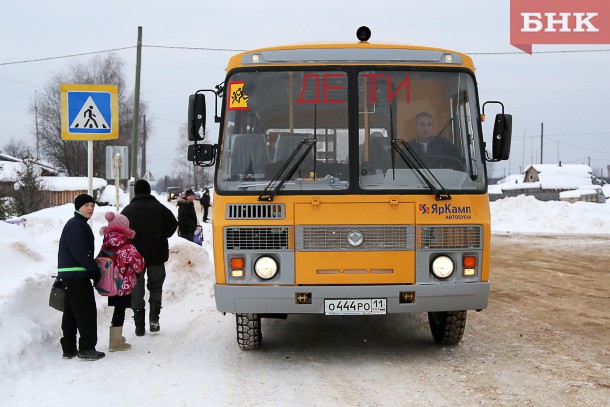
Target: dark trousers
{"type": "Point", "coordinates": [80, 315]}
{"type": "Point", "coordinates": [205, 213]}
{"type": "Point", "coordinates": [120, 303]}
{"type": "Point", "coordinates": [190, 236]}
{"type": "Point", "coordinates": [156, 277]}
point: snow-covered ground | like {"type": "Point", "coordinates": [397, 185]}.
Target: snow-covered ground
{"type": "Point", "coordinates": [187, 362]}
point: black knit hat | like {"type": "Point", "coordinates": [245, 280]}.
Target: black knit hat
{"type": "Point", "coordinates": [189, 192]}
{"type": "Point", "coordinates": [141, 187]}
{"type": "Point", "coordinates": [82, 199]}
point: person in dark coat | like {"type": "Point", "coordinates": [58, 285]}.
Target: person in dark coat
{"type": "Point", "coordinates": [205, 204]}
{"type": "Point", "coordinates": [76, 266]}
{"type": "Point", "coordinates": [153, 224]}
{"type": "Point", "coordinates": [187, 216]}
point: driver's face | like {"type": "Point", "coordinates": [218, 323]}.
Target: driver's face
{"type": "Point", "coordinates": [423, 129]}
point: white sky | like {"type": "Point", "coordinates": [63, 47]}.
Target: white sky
{"type": "Point", "coordinates": [194, 359]}
{"type": "Point", "coordinates": [567, 91]}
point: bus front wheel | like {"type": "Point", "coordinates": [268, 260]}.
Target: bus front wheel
{"type": "Point", "coordinates": [249, 334]}
{"type": "Point", "coordinates": [447, 327]}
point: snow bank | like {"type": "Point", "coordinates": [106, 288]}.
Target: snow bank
{"type": "Point", "coordinates": [525, 214]}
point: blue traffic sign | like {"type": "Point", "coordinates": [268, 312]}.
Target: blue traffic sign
{"type": "Point", "coordinates": [89, 112]}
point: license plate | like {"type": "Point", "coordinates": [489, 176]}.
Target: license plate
{"type": "Point", "coordinates": [370, 306]}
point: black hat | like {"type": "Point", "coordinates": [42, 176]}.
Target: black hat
{"type": "Point", "coordinates": [141, 187]}
{"type": "Point", "coordinates": [189, 192]}
{"type": "Point", "coordinates": [82, 199]}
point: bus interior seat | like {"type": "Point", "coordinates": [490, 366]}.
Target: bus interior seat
{"type": "Point", "coordinates": [249, 155]}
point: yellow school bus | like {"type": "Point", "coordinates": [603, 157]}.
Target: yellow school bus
{"type": "Point", "coordinates": [350, 179]}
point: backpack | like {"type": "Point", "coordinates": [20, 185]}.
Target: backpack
{"type": "Point", "coordinates": [110, 281]}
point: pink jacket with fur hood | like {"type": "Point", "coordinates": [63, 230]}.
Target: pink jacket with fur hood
{"type": "Point", "coordinates": [117, 240]}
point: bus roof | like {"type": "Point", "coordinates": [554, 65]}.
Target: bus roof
{"type": "Point", "coordinates": [361, 53]}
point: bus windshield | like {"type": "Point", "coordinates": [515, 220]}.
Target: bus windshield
{"type": "Point", "coordinates": [297, 129]}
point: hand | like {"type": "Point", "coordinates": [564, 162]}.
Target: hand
{"type": "Point", "coordinates": [95, 275]}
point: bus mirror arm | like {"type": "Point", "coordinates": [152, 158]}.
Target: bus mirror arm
{"type": "Point", "coordinates": [202, 155]}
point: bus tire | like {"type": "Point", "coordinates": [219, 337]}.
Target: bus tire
{"type": "Point", "coordinates": [447, 327]}
{"type": "Point", "coordinates": [249, 334]}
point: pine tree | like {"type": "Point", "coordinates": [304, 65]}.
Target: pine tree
{"type": "Point", "coordinates": [5, 206]}
{"type": "Point", "coordinates": [29, 196]}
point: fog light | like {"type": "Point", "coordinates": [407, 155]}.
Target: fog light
{"type": "Point", "coordinates": [442, 266]}
{"type": "Point", "coordinates": [237, 273]}
{"type": "Point", "coordinates": [470, 272]}
{"type": "Point", "coordinates": [265, 267]}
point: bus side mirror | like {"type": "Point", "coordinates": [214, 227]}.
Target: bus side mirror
{"type": "Point", "coordinates": [202, 154]}
{"type": "Point", "coordinates": [196, 117]}
{"type": "Point", "coordinates": [503, 128]}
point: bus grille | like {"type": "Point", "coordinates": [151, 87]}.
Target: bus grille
{"type": "Point", "coordinates": [375, 238]}
{"type": "Point", "coordinates": [255, 211]}
{"type": "Point", "coordinates": [256, 238]}
{"type": "Point", "coordinates": [449, 237]}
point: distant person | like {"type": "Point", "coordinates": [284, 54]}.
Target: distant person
{"type": "Point", "coordinates": [441, 152]}
{"type": "Point", "coordinates": [205, 204]}
{"type": "Point", "coordinates": [75, 268]}
{"type": "Point", "coordinates": [153, 224]}
{"type": "Point", "coordinates": [117, 245]}
{"type": "Point", "coordinates": [187, 217]}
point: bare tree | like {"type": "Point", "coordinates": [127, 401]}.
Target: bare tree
{"type": "Point", "coordinates": [71, 156]}
{"type": "Point", "coordinates": [16, 148]}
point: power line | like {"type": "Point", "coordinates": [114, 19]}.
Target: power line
{"type": "Point", "coordinates": [194, 48]}
{"type": "Point", "coordinates": [241, 50]}
{"type": "Point", "coordinates": [63, 56]}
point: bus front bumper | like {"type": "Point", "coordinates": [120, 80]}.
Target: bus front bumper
{"type": "Point", "coordinates": [283, 299]}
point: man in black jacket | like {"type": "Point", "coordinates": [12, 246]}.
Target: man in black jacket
{"type": "Point", "coordinates": [75, 267]}
{"type": "Point", "coordinates": [153, 223]}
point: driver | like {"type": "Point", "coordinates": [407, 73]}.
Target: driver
{"type": "Point", "coordinates": [425, 143]}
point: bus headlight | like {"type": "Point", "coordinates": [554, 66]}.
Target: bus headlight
{"type": "Point", "coordinates": [265, 267]}
{"type": "Point", "coordinates": [442, 266]}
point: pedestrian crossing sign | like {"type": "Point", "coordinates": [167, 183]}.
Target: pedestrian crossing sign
{"type": "Point", "coordinates": [89, 112]}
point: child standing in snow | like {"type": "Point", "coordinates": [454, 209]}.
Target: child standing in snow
{"type": "Point", "coordinates": [117, 245]}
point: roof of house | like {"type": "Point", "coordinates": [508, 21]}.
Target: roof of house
{"type": "Point", "coordinates": [551, 176]}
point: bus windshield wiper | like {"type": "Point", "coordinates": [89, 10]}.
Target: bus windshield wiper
{"type": "Point", "coordinates": [415, 162]}
{"type": "Point", "coordinates": [288, 169]}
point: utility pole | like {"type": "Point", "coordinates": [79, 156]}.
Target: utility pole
{"type": "Point", "coordinates": [136, 111]}
{"type": "Point", "coordinates": [541, 140]}
{"type": "Point", "coordinates": [143, 163]}
{"type": "Point", "coordinates": [37, 134]}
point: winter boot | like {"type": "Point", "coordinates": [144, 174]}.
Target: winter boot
{"type": "Point", "coordinates": [138, 317]}
{"type": "Point", "coordinates": [90, 354]}
{"type": "Point", "coordinates": [117, 342]}
{"type": "Point", "coordinates": [153, 318]}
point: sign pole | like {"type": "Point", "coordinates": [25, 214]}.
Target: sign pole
{"type": "Point", "coordinates": [90, 165]}
{"type": "Point", "coordinates": [117, 164]}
